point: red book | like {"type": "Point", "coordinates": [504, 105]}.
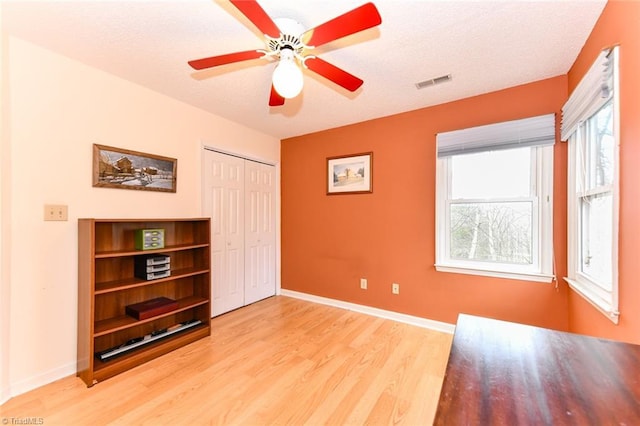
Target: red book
{"type": "Point", "coordinates": [151, 308]}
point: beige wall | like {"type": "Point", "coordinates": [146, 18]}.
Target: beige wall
{"type": "Point", "coordinates": [57, 108]}
{"type": "Point", "coordinates": [4, 289]}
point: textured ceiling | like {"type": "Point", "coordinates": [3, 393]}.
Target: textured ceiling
{"type": "Point", "coordinates": [484, 45]}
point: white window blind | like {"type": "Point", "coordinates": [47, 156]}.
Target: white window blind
{"type": "Point", "coordinates": [593, 91]}
{"type": "Point", "coordinates": [527, 132]}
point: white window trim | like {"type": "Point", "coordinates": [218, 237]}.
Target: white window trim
{"type": "Point", "coordinates": [523, 276]}
{"type": "Point", "coordinates": [543, 246]}
{"type": "Point", "coordinates": [605, 302]}
{"type": "Point", "coordinates": [587, 293]}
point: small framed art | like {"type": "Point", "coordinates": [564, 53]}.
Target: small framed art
{"type": "Point", "coordinates": [350, 174]}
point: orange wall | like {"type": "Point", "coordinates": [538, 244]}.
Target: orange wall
{"type": "Point", "coordinates": [330, 242]}
{"type": "Point", "coordinates": [618, 24]}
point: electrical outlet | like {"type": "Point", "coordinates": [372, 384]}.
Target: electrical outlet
{"type": "Point", "coordinates": [395, 288]}
{"type": "Point", "coordinates": [363, 283]}
{"type": "Point", "coordinates": [55, 212]}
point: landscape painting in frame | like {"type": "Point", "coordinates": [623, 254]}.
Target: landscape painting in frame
{"type": "Point", "coordinates": [350, 174]}
{"type": "Point", "coordinates": [126, 169]}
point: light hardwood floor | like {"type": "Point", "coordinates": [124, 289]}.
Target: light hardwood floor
{"type": "Point", "coordinates": [278, 361]}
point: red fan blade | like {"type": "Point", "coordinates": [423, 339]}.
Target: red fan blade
{"type": "Point", "coordinates": [360, 18]}
{"type": "Point", "coordinates": [275, 99]}
{"type": "Point", "coordinates": [229, 58]}
{"type": "Point", "coordinates": [333, 73]}
{"type": "Point", "coordinates": [256, 14]}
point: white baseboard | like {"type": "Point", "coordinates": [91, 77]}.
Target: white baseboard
{"type": "Point", "coordinates": [28, 384]}
{"type": "Point", "coordinates": [376, 312]}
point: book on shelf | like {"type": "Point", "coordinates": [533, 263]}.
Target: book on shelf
{"type": "Point", "coordinates": [151, 308]}
{"type": "Point", "coordinates": [141, 341]}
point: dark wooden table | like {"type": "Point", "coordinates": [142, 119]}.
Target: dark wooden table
{"type": "Point", "coordinates": [502, 373]}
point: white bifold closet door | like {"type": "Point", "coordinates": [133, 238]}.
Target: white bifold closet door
{"type": "Point", "coordinates": [239, 195]}
{"type": "Point", "coordinates": [259, 231]}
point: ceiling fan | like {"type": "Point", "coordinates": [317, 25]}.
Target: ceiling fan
{"type": "Point", "coordinates": [287, 41]}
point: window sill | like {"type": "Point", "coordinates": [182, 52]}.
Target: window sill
{"type": "Point", "coordinates": [583, 291]}
{"type": "Point", "coordinates": [523, 276]}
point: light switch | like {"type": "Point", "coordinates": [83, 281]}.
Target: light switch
{"type": "Point", "coordinates": [55, 212]}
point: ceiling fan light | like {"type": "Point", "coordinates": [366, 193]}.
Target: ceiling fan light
{"type": "Point", "coordinates": [287, 78]}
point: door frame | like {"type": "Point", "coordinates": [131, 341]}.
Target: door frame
{"type": "Point", "coordinates": [215, 148]}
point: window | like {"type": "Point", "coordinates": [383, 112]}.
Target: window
{"type": "Point", "coordinates": [590, 125]}
{"type": "Point", "coordinates": [494, 200]}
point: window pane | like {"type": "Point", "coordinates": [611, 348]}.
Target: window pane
{"type": "Point", "coordinates": [601, 147]}
{"type": "Point", "coordinates": [596, 214]}
{"type": "Point", "coordinates": [494, 232]}
{"type": "Point", "coordinates": [493, 174]}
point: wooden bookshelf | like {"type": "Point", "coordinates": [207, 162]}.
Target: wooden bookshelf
{"type": "Point", "coordinates": [107, 284]}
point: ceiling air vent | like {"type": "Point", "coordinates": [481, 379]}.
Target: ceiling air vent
{"type": "Point", "coordinates": [433, 81]}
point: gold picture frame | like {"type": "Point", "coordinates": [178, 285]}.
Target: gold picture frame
{"type": "Point", "coordinates": [127, 169]}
